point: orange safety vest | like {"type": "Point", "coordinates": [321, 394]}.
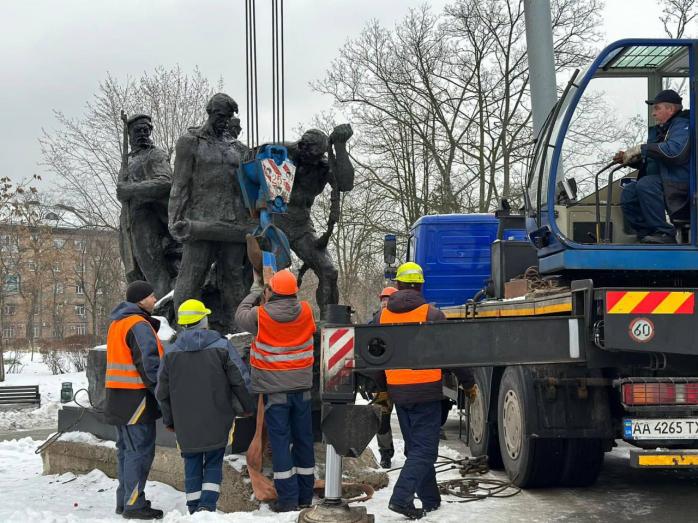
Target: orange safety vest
{"type": "Point", "coordinates": [409, 376]}
{"type": "Point", "coordinates": [283, 346]}
{"type": "Point", "coordinates": [121, 372]}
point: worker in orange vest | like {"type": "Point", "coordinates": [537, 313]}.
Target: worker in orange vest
{"type": "Point", "coordinates": [382, 399]}
{"type": "Point", "coordinates": [417, 396]}
{"type": "Point", "coordinates": [281, 361]}
{"type": "Point", "coordinates": [133, 360]}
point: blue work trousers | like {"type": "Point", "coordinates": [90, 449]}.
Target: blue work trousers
{"type": "Point", "coordinates": [290, 427]}
{"type": "Point", "coordinates": [135, 450]}
{"type": "Point", "coordinates": [203, 474]}
{"type": "Point", "coordinates": [420, 424]}
{"type": "Point", "coordinates": [643, 206]}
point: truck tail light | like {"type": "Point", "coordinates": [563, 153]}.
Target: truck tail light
{"type": "Point", "coordinates": [659, 393]}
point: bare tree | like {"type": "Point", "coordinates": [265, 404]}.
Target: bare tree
{"type": "Point", "coordinates": [98, 275]}
{"type": "Point", "coordinates": [10, 255]}
{"type": "Point", "coordinates": [677, 15]}
{"type": "Point", "coordinates": [442, 102]}
{"type": "Point", "coordinates": [85, 152]}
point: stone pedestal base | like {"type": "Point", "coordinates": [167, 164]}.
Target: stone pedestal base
{"type": "Point", "coordinates": [168, 468]}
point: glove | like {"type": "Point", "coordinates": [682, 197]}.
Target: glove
{"type": "Point", "coordinates": [632, 155]}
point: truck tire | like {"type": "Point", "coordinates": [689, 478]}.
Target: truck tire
{"type": "Point", "coordinates": [582, 462]}
{"type": "Point", "coordinates": [482, 436]}
{"type": "Point", "coordinates": [529, 462]}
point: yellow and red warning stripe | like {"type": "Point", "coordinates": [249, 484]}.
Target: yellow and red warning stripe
{"type": "Point", "coordinates": [650, 302]}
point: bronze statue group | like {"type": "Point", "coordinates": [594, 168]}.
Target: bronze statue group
{"type": "Point", "coordinates": [189, 232]}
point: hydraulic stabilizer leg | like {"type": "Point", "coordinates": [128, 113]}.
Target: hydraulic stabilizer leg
{"type": "Point", "coordinates": [347, 428]}
{"type": "Point", "coordinates": [333, 508]}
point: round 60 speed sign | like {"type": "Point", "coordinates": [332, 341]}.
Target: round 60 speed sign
{"type": "Point", "coordinates": [641, 330]}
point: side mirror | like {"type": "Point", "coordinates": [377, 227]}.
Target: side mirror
{"type": "Point", "coordinates": [389, 249]}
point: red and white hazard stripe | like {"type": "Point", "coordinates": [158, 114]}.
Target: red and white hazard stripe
{"type": "Point", "coordinates": [337, 351]}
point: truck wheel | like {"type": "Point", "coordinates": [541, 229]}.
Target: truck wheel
{"type": "Point", "coordinates": [582, 462]}
{"type": "Point", "coordinates": [482, 436]}
{"type": "Point", "coordinates": [529, 462]}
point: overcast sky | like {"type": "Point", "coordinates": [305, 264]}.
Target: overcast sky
{"type": "Point", "coordinates": [53, 53]}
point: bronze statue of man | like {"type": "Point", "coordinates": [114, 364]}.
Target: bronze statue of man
{"type": "Point", "coordinates": [314, 170]}
{"type": "Point", "coordinates": [232, 133]}
{"type": "Point", "coordinates": [207, 213]}
{"type": "Point", "coordinates": [143, 191]}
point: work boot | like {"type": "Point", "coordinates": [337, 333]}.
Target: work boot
{"type": "Point", "coordinates": [280, 507]}
{"type": "Point", "coordinates": [432, 508]}
{"type": "Point", "coordinates": [254, 254]}
{"type": "Point", "coordinates": [408, 512]}
{"type": "Point", "coordinates": [385, 462]}
{"type": "Point", "coordinates": [120, 510]}
{"type": "Point", "coordinates": [143, 513]}
{"type": "Point", "coordinates": [659, 239]}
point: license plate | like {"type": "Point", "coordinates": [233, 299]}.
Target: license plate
{"type": "Point", "coordinates": [674, 428]}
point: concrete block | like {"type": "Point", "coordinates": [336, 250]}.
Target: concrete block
{"type": "Point", "coordinates": [168, 468]}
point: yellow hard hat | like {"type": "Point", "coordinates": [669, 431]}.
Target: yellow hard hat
{"type": "Point", "coordinates": [191, 311]}
{"type": "Point", "coordinates": [410, 272]}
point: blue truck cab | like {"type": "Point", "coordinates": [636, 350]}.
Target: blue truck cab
{"type": "Point", "coordinates": [455, 253]}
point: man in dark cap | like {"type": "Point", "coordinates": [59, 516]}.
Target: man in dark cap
{"type": "Point", "coordinates": [664, 170]}
{"type": "Point", "coordinates": [144, 194]}
{"type": "Point", "coordinates": [133, 360]}
{"type": "Point", "coordinates": [207, 213]}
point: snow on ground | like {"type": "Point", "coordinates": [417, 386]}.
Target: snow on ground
{"type": "Point", "coordinates": [45, 416]}
{"type": "Point", "coordinates": [27, 495]}
{"type": "Point", "coordinates": [66, 498]}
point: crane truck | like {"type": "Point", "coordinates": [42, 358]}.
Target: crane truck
{"type": "Point", "coordinates": [583, 336]}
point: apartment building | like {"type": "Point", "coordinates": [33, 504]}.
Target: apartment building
{"type": "Point", "coordinates": [57, 281]}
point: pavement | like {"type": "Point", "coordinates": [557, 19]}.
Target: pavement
{"type": "Point", "coordinates": [621, 493]}
{"type": "Point", "coordinates": [38, 434]}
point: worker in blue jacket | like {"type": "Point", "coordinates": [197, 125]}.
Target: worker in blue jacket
{"type": "Point", "coordinates": [202, 386]}
{"type": "Point", "coordinates": [664, 172]}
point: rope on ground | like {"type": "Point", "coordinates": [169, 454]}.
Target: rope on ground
{"type": "Point", "coordinates": [55, 437]}
{"type": "Point", "coordinates": [471, 486]}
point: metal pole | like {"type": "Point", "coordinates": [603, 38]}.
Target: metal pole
{"type": "Point", "coordinates": [333, 474]}
{"type": "Point", "coordinates": [541, 62]}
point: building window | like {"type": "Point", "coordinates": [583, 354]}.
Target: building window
{"type": "Point", "coordinates": [36, 331]}
{"type": "Point", "coordinates": [8, 331]}
{"type": "Point", "coordinates": [58, 288]}
{"type": "Point", "coordinates": [11, 283]}
{"type": "Point", "coordinates": [79, 329]}
{"type": "Point", "coordinates": [56, 266]}
{"type": "Point", "coordinates": [79, 288]}
{"type": "Point", "coordinates": [5, 239]}
{"type": "Point", "coordinates": [80, 309]}
{"type": "Point", "coordinates": [32, 266]}
{"type": "Point", "coordinates": [80, 245]}
{"type": "Point", "coordinates": [58, 243]}
{"type": "Point", "coordinates": [9, 310]}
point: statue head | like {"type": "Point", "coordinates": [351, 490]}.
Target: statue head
{"type": "Point", "coordinates": [234, 127]}
{"type": "Point", "coordinates": [220, 108]}
{"type": "Point", "coordinates": [139, 128]}
{"type": "Point", "coordinates": [312, 146]}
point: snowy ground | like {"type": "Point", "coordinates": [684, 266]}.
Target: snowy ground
{"type": "Point", "coordinates": [29, 496]}
{"type": "Point", "coordinates": [622, 494]}
{"type": "Point", "coordinates": [46, 416]}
